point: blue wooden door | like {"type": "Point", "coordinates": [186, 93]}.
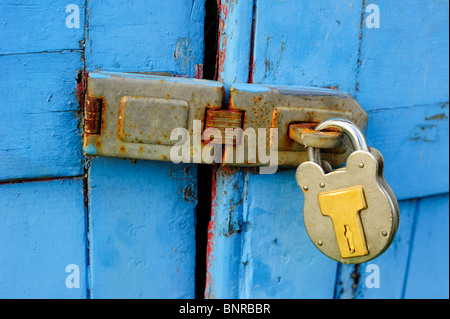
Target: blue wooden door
{"type": "Point", "coordinates": [85, 227]}
{"type": "Point", "coordinates": [393, 58]}
{"type": "Point", "coordinates": [78, 227]}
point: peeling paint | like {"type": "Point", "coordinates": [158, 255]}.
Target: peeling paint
{"type": "Point", "coordinates": [440, 116]}
{"type": "Point", "coordinates": [183, 54]}
{"type": "Point", "coordinates": [424, 133]}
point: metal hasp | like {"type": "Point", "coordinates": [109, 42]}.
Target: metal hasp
{"type": "Point", "coordinates": [132, 115]}
{"type": "Point", "coordinates": [136, 113]}
{"type": "Point", "coordinates": [287, 107]}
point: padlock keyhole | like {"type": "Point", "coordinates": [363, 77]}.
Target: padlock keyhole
{"type": "Point", "coordinates": [349, 235]}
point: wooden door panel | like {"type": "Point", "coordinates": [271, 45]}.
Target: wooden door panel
{"type": "Point", "coordinates": [429, 256]}
{"type": "Point", "coordinates": [42, 232]}
{"type": "Point", "coordinates": [328, 44]}
{"type": "Point", "coordinates": [43, 218]}
{"type": "Point", "coordinates": [42, 138]}
{"type": "Point", "coordinates": [142, 213]}
{"type": "Point", "coordinates": [142, 229]}
{"type": "Point", "coordinates": [39, 60]}
{"type": "Point", "coordinates": [310, 43]}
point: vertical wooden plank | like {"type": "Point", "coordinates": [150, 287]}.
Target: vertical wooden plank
{"type": "Point", "coordinates": [225, 234]}
{"type": "Point", "coordinates": [235, 41]}
{"type": "Point", "coordinates": [294, 43]}
{"type": "Point", "coordinates": [427, 275]}
{"type": "Point", "coordinates": [258, 246]}
{"type": "Point", "coordinates": [358, 282]}
{"type": "Point", "coordinates": [42, 231]}
{"type": "Point", "coordinates": [142, 229]}
{"type": "Point", "coordinates": [224, 260]}
{"type": "Point", "coordinates": [311, 43]}
{"type": "Point", "coordinates": [143, 213]}
{"type": "Point", "coordinates": [278, 257]}
{"type": "Point", "coordinates": [404, 62]}
{"type": "Point", "coordinates": [403, 83]}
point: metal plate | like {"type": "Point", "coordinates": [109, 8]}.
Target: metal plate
{"type": "Point", "coordinates": [139, 111]}
{"type": "Point", "coordinates": [269, 106]}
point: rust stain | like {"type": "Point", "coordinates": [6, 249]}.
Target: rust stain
{"type": "Point", "coordinates": [189, 193]}
{"type": "Point", "coordinates": [122, 149]}
{"type": "Point", "coordinates": [440, 116]}
{"type": "Point", "coordinates": [209, 285]}
{"type": "Point", "coordinates": [222, 119]}
{"type": "Point", "coordinates": [92, 113]}
{"type": "Point", "coordinates": [355, 276]}
{"type": "Point", "coordinates": [198, 71]}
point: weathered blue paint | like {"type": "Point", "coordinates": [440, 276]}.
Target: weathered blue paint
{"type": "Point", "coordinates": [146, 36]}
{"type": "Point", "coordinates": [403, 82]}
{"type": "Point", "coordinates": [45, 28]}
{"type": "Point", "coordinates": [392, 265]}
{"type": "Point", "coordinates": [414, 267]}
{"type": "Point", "coordinates": [42, 231]}
{"type": "Point", "coordinates": [263, 251]}
{"type": "Point", "coordinates": [405, 62]}
{"type": "Point", "coordinates": [142, 214]}
{"type": "Point", "coordinates": [42, 223]}
{"type": "Point", "coordinates": [141, 229]}
{"type": "Point", "coordinates": [41, 138]}
{"type": "Point", "coordinates": [415, 146]}
{"type": "Point", "coordinates": [311, 43]}
{"type": "Point", "coordinates": [281, 260]}
{"type": "Point", "coordinates": [235, 30]}
{"type": "Point", "coordinates": [39, 60]}
{"type": "Point", "coordinates": [384, 80]}
{"type": "Point", "coordinates": [428, 261]}
{"type": "Point", "coordinates": [225, 234]}
{"type": "Point", "coordinates": [405, 91]}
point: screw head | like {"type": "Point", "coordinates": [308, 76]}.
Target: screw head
{"type": "Point", "coordinates": [322, 185]}
{"type": "Point", "coordinates": [305, 188]}
{"type": "Point", "coordinates": [319, 243]}
{"type": "Point", "coordinates": [384, 233]}
{"type": "Point", "coordinates": [361, 165]}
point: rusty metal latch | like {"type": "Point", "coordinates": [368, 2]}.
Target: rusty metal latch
{"type": "Point", "coordinates": [132, 115]}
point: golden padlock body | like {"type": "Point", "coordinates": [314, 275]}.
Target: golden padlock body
{"type": "Point", "coordinates": [378, 217]}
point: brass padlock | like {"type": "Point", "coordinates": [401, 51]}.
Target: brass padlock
{"type": "Point", "coordinates": [350, 214]}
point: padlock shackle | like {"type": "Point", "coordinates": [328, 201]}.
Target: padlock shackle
{"type": "Point", "coordinates": [348, 128]}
